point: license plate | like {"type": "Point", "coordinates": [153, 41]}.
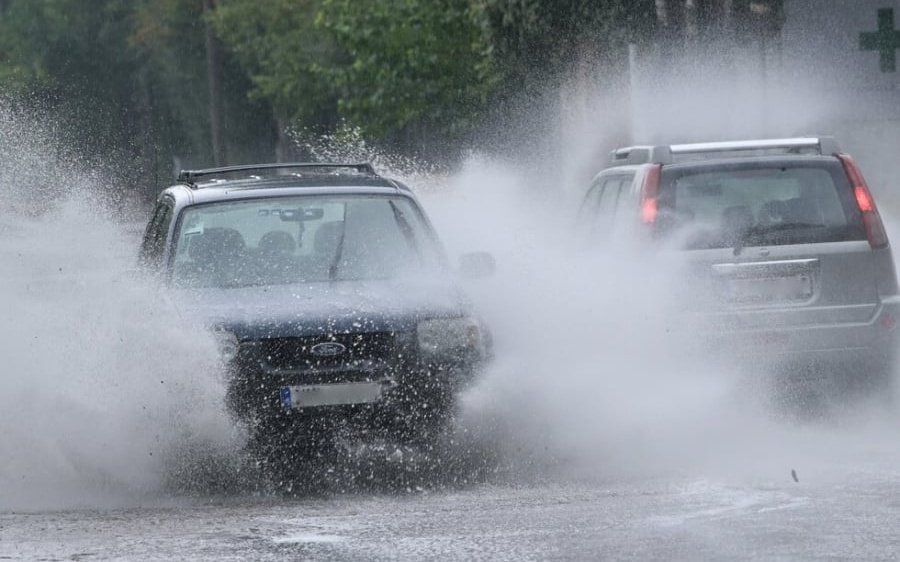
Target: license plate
{"type": "Point", "coordinates": [769, 289]}
{"type": "Point", "coordinates": [305, 396]}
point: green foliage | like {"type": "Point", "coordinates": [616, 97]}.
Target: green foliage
{"type": "Point", "coordinates": [69, 59]}
{"type": "Point", "coordinates": [279, 46]}
{"type": "Point", "coordinates": [126, 81]}
{"type": "Point", "coordinates": [412, 64]}
{"type": "Point", "coordinates": [537, 42]}
{"type": "Point", "coordinates": [134, 74]}
{"type": "Point", "coordinates": [57, 43]}
{"type": "Point", "coordinates": [167, 40]}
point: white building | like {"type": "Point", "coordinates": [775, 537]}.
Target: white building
{"type": "Point", "coordinates": [841, 59]}
{"type": "Point", "coordinates": [832, 68]}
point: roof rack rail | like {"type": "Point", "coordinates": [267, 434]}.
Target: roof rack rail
{"type": "Point", "coordinates": [630, 155]}
{"type": "Point", "coordinates": [190, 177]}
{"type": "Point", "coordinates": [663, 154]}
{"type": "Point", "coordinates": [823, 145]}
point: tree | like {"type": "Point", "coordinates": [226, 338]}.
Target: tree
{"type": "Point", "coordinates": [193, 94]}
{"type": "Point", "coordinates": [127, 82]}
{"type": "Point", "coordinates": [554, 58]}
{"type": "Point", "coordinates": [58, 51]}
{"type": "Point", "coordinates": [417, 70]}
{"type": "Point", "coordinates": [537, 42]}
{"type": "Point", "coordinates": [281, 49]}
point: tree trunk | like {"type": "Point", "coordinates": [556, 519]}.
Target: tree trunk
{"type": "Point", "coordinates": [284, 146]}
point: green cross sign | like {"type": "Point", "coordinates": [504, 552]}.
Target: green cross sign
{"type": "Point", "coordinates": [886, 40]}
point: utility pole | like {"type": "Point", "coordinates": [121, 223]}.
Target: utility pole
{"type": "Point", "coordinates": [213, 83]}
{"type": "Point", "coordinates": [671, 17]}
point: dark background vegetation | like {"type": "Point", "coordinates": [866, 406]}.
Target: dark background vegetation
{"type": "Point", "coordinates": [157, 85]}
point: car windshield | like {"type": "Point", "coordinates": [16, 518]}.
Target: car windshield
{"type": "Point", "coordinates": [276, 241]}
{"type": "Point", "coordinates": [757, 203]}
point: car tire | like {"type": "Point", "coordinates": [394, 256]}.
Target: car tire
{"type": "Point", "coordinates": [283, 450]}
{"type": "Point", "coordinates": [879, 382]}
{"type": "Point", "coordinates": [425, 416]}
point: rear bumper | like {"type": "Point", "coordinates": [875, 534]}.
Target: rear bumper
{"type": "Point", "coordinates": [874, 339]}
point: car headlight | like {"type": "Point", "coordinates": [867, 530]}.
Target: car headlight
{"type": "Point", "coordinates": [449, 338]}
{"type": "Point", "coordinates": [227, 344]}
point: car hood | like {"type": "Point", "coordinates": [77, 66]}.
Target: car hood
{"type": "Point", "coordinates": [318, 308]}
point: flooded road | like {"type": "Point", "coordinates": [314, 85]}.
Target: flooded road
{"type": "Point", "coordinates": [826, 515]}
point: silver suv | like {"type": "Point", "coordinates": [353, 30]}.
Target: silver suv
{"type": "Point", "coordinates": [788, 258]}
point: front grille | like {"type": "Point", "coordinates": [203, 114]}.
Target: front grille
{"type": "Point", "coordinates": [296, 354]}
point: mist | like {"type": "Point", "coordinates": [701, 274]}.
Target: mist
{"type": "Point", "coordinates": [597, 374]}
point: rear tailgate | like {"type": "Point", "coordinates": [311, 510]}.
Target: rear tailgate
{"type": "Point", "coordinates": [782, 286]}
{"type": "Point", "coordinates": [770, 243]}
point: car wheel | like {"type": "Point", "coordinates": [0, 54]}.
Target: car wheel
{"type": "Point", "coordinates": [283, 450]}
{"type": "Point", "coordinates": [877, 382]}
{"type": "Point", "coordinates": [424, 418]}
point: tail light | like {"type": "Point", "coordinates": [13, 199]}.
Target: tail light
{"type": "Point", "coordinates": [650, 194]}
{"type": "Point", "coordinates": [871, 219]}
{"type": "Point", "coordinates": [888, 322]}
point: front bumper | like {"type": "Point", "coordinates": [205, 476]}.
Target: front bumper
{"type": "Point", "coordinates": [411, 393]}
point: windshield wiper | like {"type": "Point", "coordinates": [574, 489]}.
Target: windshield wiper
{"type": "Point", "coordinates": [785, 226]}
{"type": "Point", "coordinates": [338, 252]}
{"type": "Point", "coordinates": [405, 228]}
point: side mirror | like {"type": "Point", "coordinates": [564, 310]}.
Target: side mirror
{"type": "Point", "coordinates": [477, 265]}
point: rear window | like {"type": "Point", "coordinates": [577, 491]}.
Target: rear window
{"type": "Point", "coordinates": [757, 204]}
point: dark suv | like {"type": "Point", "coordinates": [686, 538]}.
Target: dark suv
{"type": "Point", "coordinates": [329, 294]}
{"type": "Point", "coordinates": [787, 256]}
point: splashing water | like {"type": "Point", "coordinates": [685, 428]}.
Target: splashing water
{"type": "Point", "coordinates": [101, 384]}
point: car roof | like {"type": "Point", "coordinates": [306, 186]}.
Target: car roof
{"type": "Point", "coordinates": [252, 183]}
{"type": "Point", "coordinates": [718, 161]}
{"type": "Point", "coordinates": [669, 154]}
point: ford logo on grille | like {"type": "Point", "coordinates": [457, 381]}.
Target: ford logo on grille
{"type": "Point", "coordinates": [328, 349]}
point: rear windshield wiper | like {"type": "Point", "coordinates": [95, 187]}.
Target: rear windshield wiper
{"type": "Point", "coordinates": [784, 226]}
{"type": "Point", "coordinates": [755, 232]}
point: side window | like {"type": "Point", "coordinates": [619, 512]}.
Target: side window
{"type": "Point", "coordinates": [153, 245]}
{"type": "Point", "coordinates": [602, 202]}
